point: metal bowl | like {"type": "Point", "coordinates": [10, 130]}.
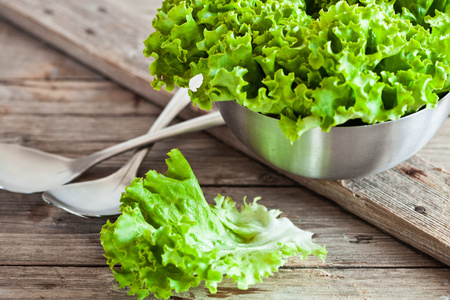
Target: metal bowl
{"type": "Point", "coordinates": [343, 152]}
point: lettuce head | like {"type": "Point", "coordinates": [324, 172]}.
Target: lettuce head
{"type": "Point", "coordinates": [309, 63]}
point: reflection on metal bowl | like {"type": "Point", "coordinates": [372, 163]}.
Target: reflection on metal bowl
{"type": "Point", "coordinates": [343, 152]}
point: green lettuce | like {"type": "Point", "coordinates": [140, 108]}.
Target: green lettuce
{"type": "Point", "coordinates": [309, 63]}
{"type": "Point", "coordinates": [168, 238]}
{"type": "Point", "coordinates": [417, 10]}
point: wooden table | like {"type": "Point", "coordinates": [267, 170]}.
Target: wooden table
{"type": "Point", "coordinates": [51, 102]}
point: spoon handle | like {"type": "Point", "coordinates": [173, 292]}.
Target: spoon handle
{"type": "Point", "coordinates": [199, 123]}
{"type": "Point", "coordinates": [178, 102]}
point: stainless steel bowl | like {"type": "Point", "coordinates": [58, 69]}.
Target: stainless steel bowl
{"type": "Point", "coordinates": [343, 152]}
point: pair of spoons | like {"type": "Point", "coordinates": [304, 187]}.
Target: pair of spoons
{"type": "Point", "coordinates": [27, 170]}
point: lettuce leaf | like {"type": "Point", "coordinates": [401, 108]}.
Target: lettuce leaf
{"type": "Point", "coordinates": [310, 63]}
{"type": "Point", "coordinates": [168, 238]}
{"type": "Point", "coordinates": [418, 10]}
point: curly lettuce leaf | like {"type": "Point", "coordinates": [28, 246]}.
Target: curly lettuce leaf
{"type": "Point", "coordinates": [418, 10]}
{"type": "Point", "coordinates": [168, 238]}
{"type": "Point", "coordinates": [310, 63]}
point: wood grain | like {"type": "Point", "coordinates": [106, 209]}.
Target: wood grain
{"type": "Point", "coordinates": [109, 40]}
{"type": "Point", "coordinates": [16, 59]}
{"type": "Point", "coordinates": [437, 150]}
{"type": "Point", "coordinates": [48, 253]}
{"type": "Point", "coordinates": [48, 235]}
{"type": "Point", "coordinates": [414, 208]}
{"type": "Point", "coordinates": [100, 34]}
{"type": "Point", "coordinates": [302, 283]}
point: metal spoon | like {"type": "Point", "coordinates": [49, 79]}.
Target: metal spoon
{"type": "Point", "coordinates": [101, 197]}
{"type": "Point", "coordinates": [27, 170]}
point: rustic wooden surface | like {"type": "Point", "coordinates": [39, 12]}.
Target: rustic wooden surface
{"type": "Point", "coordinates": [50, 102]}
{"type": "Point", "coordinates": [107, 36]}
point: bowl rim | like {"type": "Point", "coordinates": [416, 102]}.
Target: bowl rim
{"type": "Point", "coordinates": [421, 111]}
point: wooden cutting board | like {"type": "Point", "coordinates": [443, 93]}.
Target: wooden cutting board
{"type": "Point", "coordinates": [410, 201]}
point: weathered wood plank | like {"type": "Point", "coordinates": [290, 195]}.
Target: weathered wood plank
{"type": "Point", "coordinates": [51, 250]}
{"type": "Point", "coordinates": [97, 33]}
{"type": "Point", "coordinates": [45, 235]}
{"type": "Point", "coordinates": [64, 97]}
{"type": "Point", "coordinates": [409, 201]}
{"type": "Point", "coordinates": [364, 248]}
{"type": "Point", "coordinates": [437, 151]}
{"type": "Point", "coordinates": [41, 246]}
{"type": "Point", "coordinates": [59, 25]}
{"type": "Point", "coordinates": [98, 283]}
{"type": "Point", "coordinates": [24, 57]}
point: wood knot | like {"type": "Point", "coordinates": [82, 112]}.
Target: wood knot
{"type": "Point", "coordinates": [267, 178]}
{"type": "Point", "coordinates": [90, 31]}
{"type": "Point", "coordinates": [413, 172]}
{"type": "Point", "coordinates": [420, 209]}
{"type": "Point", "coordinates": [361, 239]}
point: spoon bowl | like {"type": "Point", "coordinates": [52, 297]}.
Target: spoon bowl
{"type": "Point", "coordinates": [27, 170]}
{"type": "Point", "coordinates": [343, 152]}
{"type": "Point", "coordinates": [94, 198]}
{"type": "Point", "coordinates": [101, 197]}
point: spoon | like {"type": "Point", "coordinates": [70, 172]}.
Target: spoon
{"type": "Point", "coordinates": [27, 170]}
{"type": "Point", "coordinates": [101, 197]}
